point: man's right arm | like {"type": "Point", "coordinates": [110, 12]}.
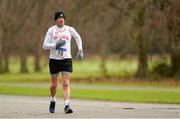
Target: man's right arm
{"type": "Point", "coordinates": [47, 41]}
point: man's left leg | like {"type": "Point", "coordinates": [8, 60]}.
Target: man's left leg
{"type": "Point", "coordinates": [66, 91]}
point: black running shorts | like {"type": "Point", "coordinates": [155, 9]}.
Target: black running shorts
{"type": "Point", "coordinates": [56, 66]}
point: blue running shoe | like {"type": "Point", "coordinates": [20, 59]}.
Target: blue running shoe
{"type": "Point", "coordinates": [67, 109]}
{"type": "Point", "coordinates": [52, 106]}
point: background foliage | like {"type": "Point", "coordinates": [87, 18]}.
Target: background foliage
{"type": "Point", "coordinates": [110, 29]}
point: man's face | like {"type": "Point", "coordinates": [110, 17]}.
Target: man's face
{"type": "Point", "coordinates": [60, 22]}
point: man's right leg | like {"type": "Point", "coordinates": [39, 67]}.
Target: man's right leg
{"type": "Point", "coordinates": [54, 85]}
{"type": "Point", "coordinates": [53, 88]}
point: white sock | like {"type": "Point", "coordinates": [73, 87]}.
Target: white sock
{"type": "Point", "coordinates": [66, 102]}
{"type": "Point", "coordinates": [53, 99]}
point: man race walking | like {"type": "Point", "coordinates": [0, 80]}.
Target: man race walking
{"type": "Point", "coordinates": [58, 41]}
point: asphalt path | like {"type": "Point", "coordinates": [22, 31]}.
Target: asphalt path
{"type": "Point", "coordinates": [12, 106]}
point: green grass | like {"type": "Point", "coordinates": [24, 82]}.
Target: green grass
{"type": "Point", "coordinates": [89, 68]}
{"type": "Point", "coordinates": [32, 77]}
{"type": "Point", "coordinates": [85, 69]}
{"type": "Point", "coordinates": [111, 95]}
{"type": "Point", "coordinates": [129, 96]}
{"type": "Point", "coordinates": [24, 91]}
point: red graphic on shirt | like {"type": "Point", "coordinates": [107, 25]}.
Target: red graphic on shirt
{"type": "Point", "coordinates": [56, 33]}
{"type": "Point", "coordinates": [58, 36]}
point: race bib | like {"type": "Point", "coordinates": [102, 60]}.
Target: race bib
{"type": "Point", "coordinates": [61, 52]}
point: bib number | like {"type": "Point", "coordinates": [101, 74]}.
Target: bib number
{"type": "Point", "coordinates": [61, 52]}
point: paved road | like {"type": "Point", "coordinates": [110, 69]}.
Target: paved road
{"type": "Point", "coordinates": [37, 107]}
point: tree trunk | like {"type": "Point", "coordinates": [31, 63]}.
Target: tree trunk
{"type": "Point", "coordinates": [175, 54]}
{"type": "Point", "coordinates": [1, 64]}
{"type": "Point", "coordinates": [23, 60]}
{"type": "Point", "coordinates": [174, 36]}
{"type": "Point", "coordinates": [4, 52]}
{"type": "Point", "coordinates": [103, 66]}
{"type": "Point", "coordinates": [1, 58]}
{"type": "Point", "coordinates": [6, 62]}
{"type": "Point", "coordinates": [141, 42]}
{"type": "Point", "coordinates": [175, 62]}
{"type": "Point", "coordinates": [37, 67]}
{"type": "Point", "coordinates": [103, 54]}
{"type": "Point", "coordinates": [142, 56]}
{"type": "Point", "coordinates": [41, 7]}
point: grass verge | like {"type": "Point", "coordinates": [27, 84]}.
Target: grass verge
{"type": "Point", "coordinates": [111, 95]}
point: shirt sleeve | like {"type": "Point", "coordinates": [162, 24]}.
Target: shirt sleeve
{"type": "Point", "coordinates": [47, 41]}
{"type": "Point", "coordinates": [77, 37]}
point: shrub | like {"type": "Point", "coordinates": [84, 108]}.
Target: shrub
{"type": "Point", "coordinates": [162, 69]}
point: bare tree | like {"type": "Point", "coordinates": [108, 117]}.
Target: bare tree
{"type": "Point", "coordinates": [174, 35]}
{"type": "Point", "coordinates": [14, 15]}
{"type": "Point", "coordinates": [6, 27]}
{"type": "Point", "coordinates": [38, 25]}
{"type": "Point", "coordinates": [1, 53]}
{"type": "Point", "coordinates": [139, 13]}
{"type": "Point", "coordinates": [21, 16]}
{"type": "Point", "coordinates": [170, 10]}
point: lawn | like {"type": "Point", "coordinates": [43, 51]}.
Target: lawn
{"type": "Point", "coordinates": [90, 69]}
{"type": "Point", "coordinates": [86, 69]}
{"type": "Point", "coordinates": [123, 95]}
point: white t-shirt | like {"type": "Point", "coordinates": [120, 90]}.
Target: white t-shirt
{"type": "Point", "coordinates": [54, 34]}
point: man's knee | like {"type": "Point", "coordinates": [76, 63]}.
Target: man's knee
{"type": "Point", "coordinates": [66, 83]}
{"type": "Point", "coordinates": [54, 83]}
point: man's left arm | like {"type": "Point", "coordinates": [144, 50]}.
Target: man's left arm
{"type": "Point", "coordinates": [77, 37]}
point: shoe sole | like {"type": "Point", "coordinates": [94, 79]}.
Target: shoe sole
{"type": "Point", "coordinates": [69, 111]}
{"type": "Point", "coordinates": [52, 111]}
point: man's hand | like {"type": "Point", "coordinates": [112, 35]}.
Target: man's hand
{"type": "Point", "coordinates": [60, 43]}
{"type": "Point", "coordinates": [80, 54]}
